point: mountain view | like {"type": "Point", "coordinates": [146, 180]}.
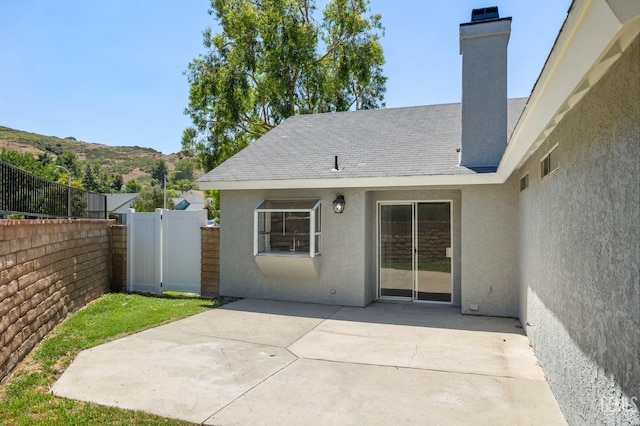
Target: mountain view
{"type": "Point", "coordinates": [132, 162]}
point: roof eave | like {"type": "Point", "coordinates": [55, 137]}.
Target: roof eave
{"type": "Point", "coordinates": [361, 182]}
{"type": "Point", "coordinates": [593, 36]}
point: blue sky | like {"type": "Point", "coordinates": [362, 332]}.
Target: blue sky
{"type": "Point", "coordinates": [111, 71]}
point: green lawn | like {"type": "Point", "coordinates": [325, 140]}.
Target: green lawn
{"type": "Point", "coordinates": [25, 397]}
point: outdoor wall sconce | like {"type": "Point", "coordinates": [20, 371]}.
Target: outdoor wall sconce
{"type": "Point", "coordinates": [339, 204]}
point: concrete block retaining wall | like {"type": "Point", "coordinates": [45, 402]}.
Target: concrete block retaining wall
{"type": "Point", "coordinates": [210, 262]}
{"type": "Point", "coordinates": [119, 258]}
{"type": "Point", "coordinates": [48, 269]}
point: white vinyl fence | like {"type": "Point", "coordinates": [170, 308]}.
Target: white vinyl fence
{"type": "Point", "coordinates": [163, 251]}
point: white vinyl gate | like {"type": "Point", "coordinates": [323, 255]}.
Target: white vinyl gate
{"type": "Point", "coordinates": [163, 251]}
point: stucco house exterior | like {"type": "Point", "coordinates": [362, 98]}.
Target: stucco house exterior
{"type": "Point", "coordinates": [526, 208]}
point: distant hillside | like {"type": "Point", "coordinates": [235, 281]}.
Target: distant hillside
{"type": "Point", "coordinates": [129, 161]}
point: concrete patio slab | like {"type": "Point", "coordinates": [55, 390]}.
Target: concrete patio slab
{"type": "Point", "coordinates": [412, 337]}
{"type": "Point", "coordinates": [266, 322]}
{"type": "Point", "coordinates": [171, 374]}
{"type": "Point", "coordinates": [311, 392]}
{"type": "Point", "coordinates": [266, 362]}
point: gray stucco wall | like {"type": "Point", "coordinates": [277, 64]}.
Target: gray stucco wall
{"type": "Point", "coordinates": [483, 46]}
{"type": "Point", "coordinates": [347, 264]}
{"type": "Point", "coordinates": [489, 245]}
{"type": "Point", "coordinates": [579, 253]}
{"type": "Point", "coordinates": [371, 285]}
{"type": "Point", "coordinates": [340, 267]}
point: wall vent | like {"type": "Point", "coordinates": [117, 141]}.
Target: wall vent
{"type": "Point", "coordinates": [524, 182]}
{"type": "Point", "coordinates": [484, 13]}
{"type": "Point", "coordinates": [549, 163]}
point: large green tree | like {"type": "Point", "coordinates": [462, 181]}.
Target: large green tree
{"type": "Point", "coordinates": [97, 178]}
{"type": "Point", "coordinates": [29, 163]}
{"type": "Point", "coordinates": [272, 60]}
{"type": "Point", "coordinates": [70, 161]}
{"type": "Point", "coordinates": [133, 186]}
{"type": "Point", "coordinates": [159, 170]}
{"type": "Point", "coordinates": [183, 170]}
{"type": "Point", "coordinates": [152, 198]}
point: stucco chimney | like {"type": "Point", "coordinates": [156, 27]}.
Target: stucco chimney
{"type": "Point", "coordinates": [483, 46]}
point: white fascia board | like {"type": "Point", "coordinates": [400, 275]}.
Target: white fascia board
{"type": "Point", "coordinates": [592, 29]}
{"type": "Point", "coordinates": [367, 182]}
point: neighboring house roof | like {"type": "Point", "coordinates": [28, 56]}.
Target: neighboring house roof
{"type": "Point", "coordinates": [191, 200]}
{"type": "Point", "coordinates": [193, 196]}
{"type": "Point", "coordinates": [397, 142]}
{"type": "Point", "coordinates": [195, 207]}
{"type": "Point", "coordinates": [118, 200]}
{"type": "Point", "coordinates": [180, 203]}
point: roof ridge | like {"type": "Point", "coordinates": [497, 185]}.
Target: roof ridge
{"type": "Point", "coordinates": [297, 116]}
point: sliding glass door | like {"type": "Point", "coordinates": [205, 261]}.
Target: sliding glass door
{"type": "Point", "coordinates": [433, 251]}
{"type": "Point", "coordinates": [415, 251]}
{"type": "Point", "coordinates": [396, 250]}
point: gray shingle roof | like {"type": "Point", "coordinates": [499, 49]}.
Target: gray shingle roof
{"type": "Point", "coordinates": [117, 200]}
{"type": "Point", "coordinates": [412, 141]}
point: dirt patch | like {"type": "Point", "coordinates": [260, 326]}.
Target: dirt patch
{"type": "Point", "coordinates": [21, 148]}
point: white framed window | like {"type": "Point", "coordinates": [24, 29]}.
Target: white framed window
{"type": "Point", "coordinates": [287, 227]}
{"type": "Point", "coordinates": [549, 163]}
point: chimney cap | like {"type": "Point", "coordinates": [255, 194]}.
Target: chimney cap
{"type": "Point", "coordinates": [484, 13]}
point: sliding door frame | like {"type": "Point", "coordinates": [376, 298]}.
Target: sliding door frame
{"type": "Point", "coordinates": [414, 204]}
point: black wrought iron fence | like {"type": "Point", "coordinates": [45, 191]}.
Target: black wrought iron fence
{"type": "Point", "coordinates": [25, 194]}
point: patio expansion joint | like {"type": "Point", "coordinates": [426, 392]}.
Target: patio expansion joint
{"type": "Point", "coordinates": [251, 388]}
{"type": "Point", "coordinates": [437, 370]}
{"type": "Point", "coordinates": [229, 339]}
{"type": "Point", "coordinates": [296, 358]}
{"type": "Point", "coordinates": [312, 329]}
